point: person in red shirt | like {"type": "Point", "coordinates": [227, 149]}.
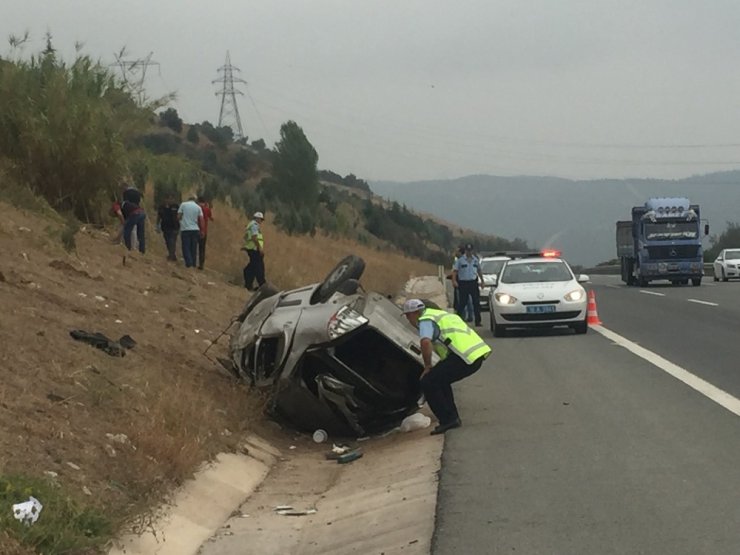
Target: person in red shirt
{"type": "Point", "coordinates": [207, 215]}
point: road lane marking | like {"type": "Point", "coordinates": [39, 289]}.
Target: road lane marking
{"type": "Point", "coordinates": [613, 286]}
{"type": "Point", "coordinates": [722, 398]}
{"type": "Point", "coordinates": [702, 302]}
{"type": "Point", "coordinates": [652, 293]}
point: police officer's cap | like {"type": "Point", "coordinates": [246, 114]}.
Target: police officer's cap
{"type": "Point", "coordinates": [412, 305]}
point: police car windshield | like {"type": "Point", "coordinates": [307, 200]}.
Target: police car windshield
{"type": "Point", "coordinates": [491, 266]}
{"type": "Point", "coordinates": [536, 272]}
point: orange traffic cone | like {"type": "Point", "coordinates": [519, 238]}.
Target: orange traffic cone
{"type": "Point", "coordinates": [592, 315]}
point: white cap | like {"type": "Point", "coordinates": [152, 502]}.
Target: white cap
{"type": "Point", "coordinates": [259, 215]}
{"type": "Point", "coordinates": [412, 305]}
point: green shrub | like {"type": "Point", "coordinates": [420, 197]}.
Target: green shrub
{"type": "Point", "coordinates": [64, 525]}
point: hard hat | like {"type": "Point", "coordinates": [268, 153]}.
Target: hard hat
{"type": "Point", "coordinates": [259, 215]}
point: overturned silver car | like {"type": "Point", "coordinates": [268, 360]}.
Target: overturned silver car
{"type": "Point", "coordinates": [332, 355]}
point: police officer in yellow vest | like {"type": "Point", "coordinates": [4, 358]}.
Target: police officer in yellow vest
{"type": "Point", "coordinates": [254, 244]}
{"type": "Point", "coordinates": [461, 352]}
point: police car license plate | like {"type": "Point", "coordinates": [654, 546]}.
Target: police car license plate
{"type": "Point", "coordinates": [541, 308]}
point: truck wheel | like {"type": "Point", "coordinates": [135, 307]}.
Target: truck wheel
{"type": "Point", "coordinates": [696, 282]}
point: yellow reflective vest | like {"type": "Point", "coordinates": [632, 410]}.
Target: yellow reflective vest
{"type": "Point", "coordinates": [456, 336]}
{"type": "Point", "coordinates": [252, 239]}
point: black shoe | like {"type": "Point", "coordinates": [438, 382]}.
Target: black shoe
{"type": "Point", "coordinates": [442, 428]}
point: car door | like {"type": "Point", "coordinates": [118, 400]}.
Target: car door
{"type": "Point", "coordinates": [718, 264]}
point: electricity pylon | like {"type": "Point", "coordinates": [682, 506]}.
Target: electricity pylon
{"type": "Point", "coordinates": [229, 113]}
{"type": "Point", "coordinates": [133, 74]}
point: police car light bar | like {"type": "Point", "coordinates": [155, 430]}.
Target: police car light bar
{"type": "Point", "coordinates": [550, 253]}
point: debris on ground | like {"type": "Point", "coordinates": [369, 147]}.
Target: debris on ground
{"type": "Point", "coordinates": [288, 510]}
{"type": "Point", "coordinates": [416, 421]}
{"type": "Point", "coordinates": [28, 511]}
{"type": "Point", "coordinates": [104, 343]}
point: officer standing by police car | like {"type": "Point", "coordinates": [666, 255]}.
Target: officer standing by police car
{"type": "Point", "coordinates": [466, 275]}
{"type": "Point", "coordinates": [461, 352]}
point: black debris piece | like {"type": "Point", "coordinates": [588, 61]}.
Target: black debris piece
{"type": "Point", "coordinates": [104, 343]}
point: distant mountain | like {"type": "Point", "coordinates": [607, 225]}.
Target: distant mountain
{"type": "Point", "coordinates": [577, 217]}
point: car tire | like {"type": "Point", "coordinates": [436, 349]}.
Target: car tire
{"type": "Point", "coordinates": [265, 291]}
{"type": "Point", "coordinates": [696, 282]}
{"type": "Point", "coordinates": [724, 277]}
{"type": "Point", "coordinates": [350, 267]}
{"type": "Point", "coordinates": [581, 327]}
{"type": "Point", "coordinates": [497, 329]}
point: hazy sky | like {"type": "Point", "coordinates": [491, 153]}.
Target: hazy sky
{"type": "Point", "coordinates": [416, 89]}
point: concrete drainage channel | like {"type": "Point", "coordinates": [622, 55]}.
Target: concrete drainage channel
{"type": "Point", "coordinates": [382, 503]}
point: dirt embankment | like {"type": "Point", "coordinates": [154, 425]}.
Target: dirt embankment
{"type": "Point", "coordinates": [114, 434]}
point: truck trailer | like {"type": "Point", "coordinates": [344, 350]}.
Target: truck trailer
{"type": "Point", "coordinates": [662, 241]}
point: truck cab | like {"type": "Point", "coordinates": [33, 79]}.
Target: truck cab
{"type": "Point", "coordinates": [662, 241]}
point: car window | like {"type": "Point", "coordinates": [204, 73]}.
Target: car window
{"type": "Point", "coordinates": [536, 272]}
{"type": "Point", "coordinates": [733, 254]}
{"type": "Point", "coordinates": [491, 266]}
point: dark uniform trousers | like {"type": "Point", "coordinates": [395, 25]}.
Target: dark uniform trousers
{"type": "Point", "coordinates": [437, 385]}
{"type": "Point", "coordinates": [467, 288]}
{"type": "Point", "coordinates": [255, 269]}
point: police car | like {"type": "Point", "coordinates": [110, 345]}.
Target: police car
{"type": "Point", "coordinates": [490, 267]}
{"type": "Point", "coordinates": [538, 290]}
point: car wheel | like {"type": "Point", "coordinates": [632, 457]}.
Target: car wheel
{"type": "Point", "coordinates": [714, 274]}
{"type": "Point", "coordinates": [264, 292]}
{"type": "Point", "coordinates": [724, 277]}
{"type": "Point", "coordinates": [696, 282]}
{"type": "Point", "coordinates": [497, 329]}
{"type": "Point", "coordinates": [581, 327]}
{"type": "Point", "coordinates": [350, 267]}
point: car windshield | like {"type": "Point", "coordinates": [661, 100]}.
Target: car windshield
{"type": "Point", "coordinates": [491, 266]}
{"type": "Point", "coordinates": [732, 255]}
{"type": "Point", "coordinates": [536, 272]}
{"type": "Point", "coordinates": [665, 231]}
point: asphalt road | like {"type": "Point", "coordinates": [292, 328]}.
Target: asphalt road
{"type": "Point", "coordinates": [576, 445]}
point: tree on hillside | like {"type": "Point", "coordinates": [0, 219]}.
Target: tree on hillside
{"type": "Point", "coordinates": [729, 238]}
{"type": "Point", "coordinates": [294, 167]}
{"type": "Point", "coordinates": [171, 119]}
{"type": "Point", "coordinates": [192, 135]}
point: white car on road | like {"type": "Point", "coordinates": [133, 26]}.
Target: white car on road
{"type": "Point", "coordinates": [538, 291]}
{"type": "Point", "coordinates": [727, 265]}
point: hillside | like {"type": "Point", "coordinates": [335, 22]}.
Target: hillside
{"type": "Point", "coordinates": [577, 217]}
{"type": "Point", "coordinates": [111, 434]}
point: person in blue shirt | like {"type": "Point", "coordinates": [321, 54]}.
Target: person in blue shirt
{"type": "Point", "coordinates": [466, 277]}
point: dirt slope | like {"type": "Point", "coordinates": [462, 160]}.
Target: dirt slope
{"type": "Point", "coordinates": [113, 433]}
{"type": "Point", "coordinates": [60, 398]}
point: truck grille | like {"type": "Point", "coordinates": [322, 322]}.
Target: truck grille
{"type": "Point", "coordinates": [668, 252]}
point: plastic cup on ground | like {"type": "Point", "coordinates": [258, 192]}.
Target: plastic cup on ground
{"type": "Point", "coordinates": [320, 436]}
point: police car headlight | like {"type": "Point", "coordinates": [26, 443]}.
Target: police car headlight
{"type": "Point", "coordinates": [504, 298]}
{"type": "Point", "coordinates": [575, 295]}
{"type": "Point", "coordinates": [346, 319]}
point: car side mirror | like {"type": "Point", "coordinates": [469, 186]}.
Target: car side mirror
{"type": "Point", "coordinates": [583, 278]}
{"type": "Point", "coordinates": [706, 229]}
